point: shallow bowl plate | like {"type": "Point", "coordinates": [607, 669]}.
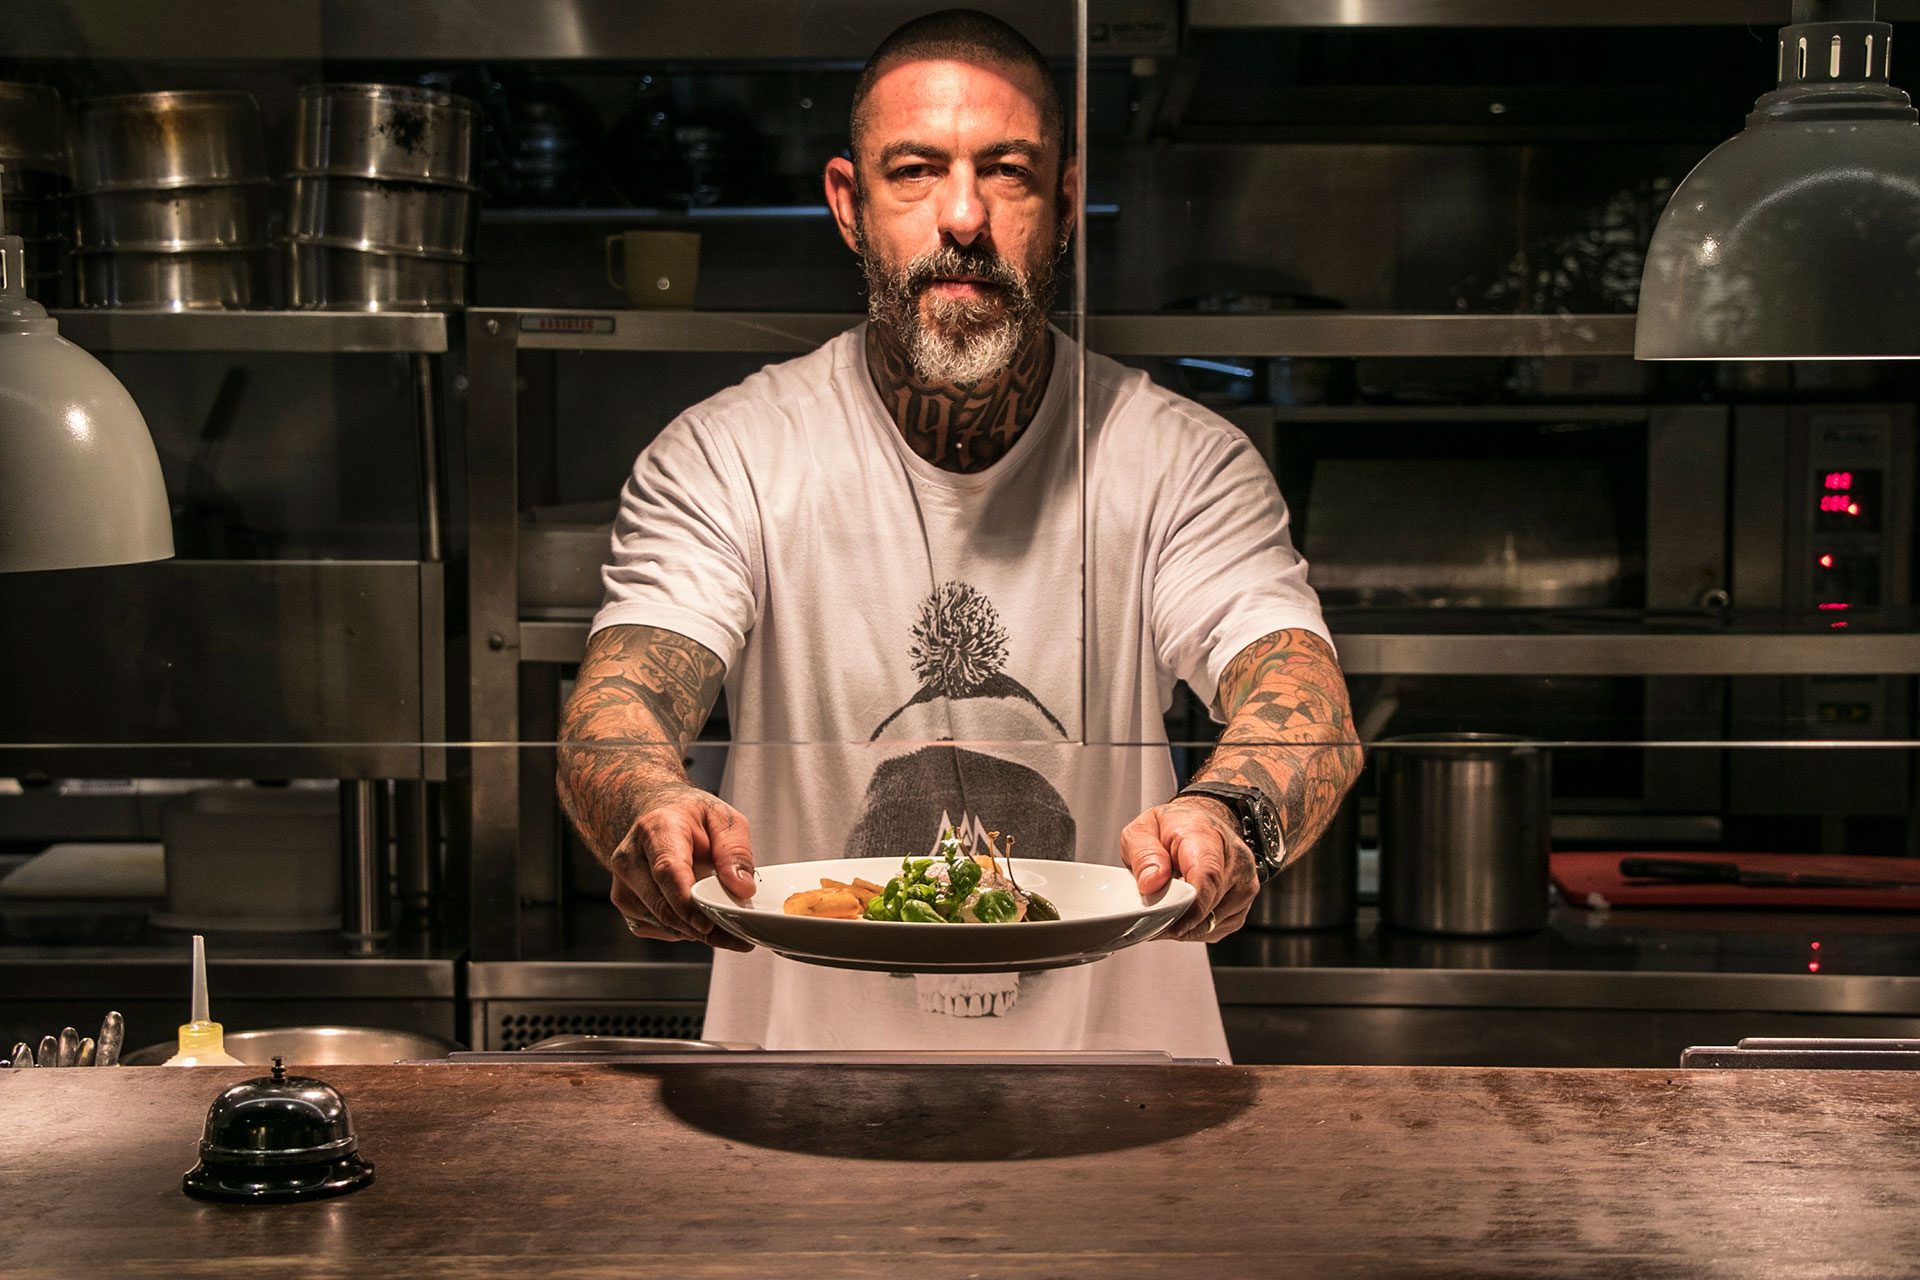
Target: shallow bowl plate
{"type": "Point", "coordinates": [1101, 911]}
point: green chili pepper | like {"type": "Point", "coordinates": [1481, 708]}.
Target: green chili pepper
{"type": "Point", "coordinates": [1038, 908]}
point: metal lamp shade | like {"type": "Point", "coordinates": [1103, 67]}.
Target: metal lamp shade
{"type": "Point", "coordinates": [80, 484]}
{"type": "Point", "coordinates": [1790, 241]}
{"type": "Point", "coordinates": [1800, 238]}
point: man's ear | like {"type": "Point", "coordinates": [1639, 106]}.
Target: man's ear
{"type": "Point", "coordinates": [1069, 198]}
{"type": "Point", "coordinates": [843, 197]}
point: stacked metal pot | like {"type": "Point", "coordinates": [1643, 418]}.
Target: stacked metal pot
{"type": "Point", "coordinates": [173, 201]}
{"type": "Point", "coordinates": [33, 183]}
{"type": "Point", "coordinates": [381, 200]}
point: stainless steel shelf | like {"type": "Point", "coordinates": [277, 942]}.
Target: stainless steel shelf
{"type": "Point", "coordinates": [1496, 653]}
{"type": "Point", "coordinates": [1242, 14]}
{"type": "Point", "coordinates": [307, 332]}
{"type": "Point", "coordinates": [1333, 333]}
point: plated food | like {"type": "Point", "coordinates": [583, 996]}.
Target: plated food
{"type": "Point", "coordinates": [948, 886]}
{"type": "Point", "coordinates": [1100, 906]}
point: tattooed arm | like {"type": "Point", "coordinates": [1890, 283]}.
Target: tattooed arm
{"type": "Point", "coordinates": [642, 695]}
{"type": "Point", "coordinates": [1290, 733]}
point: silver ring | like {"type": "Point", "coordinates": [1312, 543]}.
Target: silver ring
{"type": "Point", "coordinates": [635, 926]}
{"type": "Point", "coordinates": [1209, 928]}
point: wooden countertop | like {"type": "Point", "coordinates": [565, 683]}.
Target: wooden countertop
{"type": "Point", "coordinates": [698, 1171]}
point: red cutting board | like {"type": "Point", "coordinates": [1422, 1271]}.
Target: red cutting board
{"type": "Point", "coordinates": [1579, 874]}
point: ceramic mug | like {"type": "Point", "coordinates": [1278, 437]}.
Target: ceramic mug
{"type": "Point", "coordinates": [654, 268]}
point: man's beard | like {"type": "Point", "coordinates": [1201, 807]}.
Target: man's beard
{"type": "Point", "coordinates": [957, 340]}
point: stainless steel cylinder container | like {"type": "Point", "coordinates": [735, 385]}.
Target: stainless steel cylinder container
{"type": "Point", "coordinates": [391, 217]}
{"type": "Point", "coordinates": [319, 276]}
{"type": "Point", "coordinates": [213, 279]}
{"type": "Point", "coordinates": [176, 219]}
{"type": "Point", "coordinates": [395, 132]}
{"type": "Point", "coordinates": [1464, 833]}
{"type": "Point", "coordinates": [1318, 890]}
{"type": "Point", "coordinates": [157, 140]}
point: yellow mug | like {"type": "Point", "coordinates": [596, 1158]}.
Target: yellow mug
{"type": "Point", "coordinates": [656, 268]}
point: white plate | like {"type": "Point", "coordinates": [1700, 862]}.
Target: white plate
{"type": "Point", "coordinates": [1101, 911]}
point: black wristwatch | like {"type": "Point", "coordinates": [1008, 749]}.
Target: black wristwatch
{"type": "Point", "coordinates": [1259, 822]}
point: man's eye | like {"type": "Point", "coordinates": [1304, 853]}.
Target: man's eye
{"type": "Point", "coordinates": [912, 171]}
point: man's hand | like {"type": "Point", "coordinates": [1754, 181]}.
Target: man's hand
{"type": "Point", "coordinates": [1197, 839]}
{"type": "Point", "coordinates": [682, 834]}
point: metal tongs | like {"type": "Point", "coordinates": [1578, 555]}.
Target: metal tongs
{"type": "Point", "coordinates": [70, 1049]}
{"type": "Point", "coordinates": [1688, 871]}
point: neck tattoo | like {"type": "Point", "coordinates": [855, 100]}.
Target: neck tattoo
{"type": "Point", "coordinates": [961, 427]}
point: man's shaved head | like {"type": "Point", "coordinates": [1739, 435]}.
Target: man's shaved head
{"type": "Point", "coordinates": [962, 35]}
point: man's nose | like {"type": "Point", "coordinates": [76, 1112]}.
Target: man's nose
{"type": "Point", "coordinates": [963, 215]}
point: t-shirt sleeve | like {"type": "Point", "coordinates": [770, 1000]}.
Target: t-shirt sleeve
{"type": "Point", "coordinates": [1227, 572]}
{"type": "Point", "coordinates": [684, 543]}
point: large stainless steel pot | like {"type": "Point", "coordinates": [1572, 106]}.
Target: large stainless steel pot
{"type": "Point", "coordinates": [156, 140]}
{"type": "Point", "coordinates": [211, 279]}
{"type": "Point", "coordinates": [314, 1047]}
{"type": "Point", "coordinates": [176, 219]}
{"type": "Point", "coordinates": [1463, 833]}
{"type": "Point", "coordinates": [320, 276]}
{"type": "Point", "coordinates": [1317, 891]}
{"type": "Point", "coordinates": [33, 131]}
{"type": "Point", "coordinates": [361, 213]}
{"type": "Point", "coordinates": [396, 132]}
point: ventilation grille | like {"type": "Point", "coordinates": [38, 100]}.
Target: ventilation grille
{"type": "Point", "coordinates": [517, 1024]}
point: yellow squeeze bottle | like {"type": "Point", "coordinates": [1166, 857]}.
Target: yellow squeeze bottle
{"type": "Point", "coordinates": [202, 1042]}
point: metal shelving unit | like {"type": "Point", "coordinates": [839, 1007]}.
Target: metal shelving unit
{"type": "Point", "coordinates": [311, 332]}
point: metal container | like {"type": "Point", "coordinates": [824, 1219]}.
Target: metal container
{"type": "Point", "coordinates": [1317, 891]}
{"type": "Point", "coordinates": [159, 140]}
{"type": "Point", "coordinates": [391, 217]}
{"type": "Point", "coordinates": [1463, 833]}
{"type": "Point", "coordinates": [33, 129]}
{"type": "Point", "coordinates": [320, 276]}
{"type": "Point", "coordinates": [314, 1047]}
{"type": "Point", "coordinates": [397, 132]}
{"type": "Point", "coordinates": [176, 219]}
{"type": "Point", "coordinates": [210, 279]}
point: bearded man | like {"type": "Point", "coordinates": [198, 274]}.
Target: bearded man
{"type": "Point", "coordinates": [881, 551]}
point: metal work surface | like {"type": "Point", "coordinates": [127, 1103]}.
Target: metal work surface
{"type": "Point", "coordinates": [309, 332]}
{"type": "Point", "coordinates": [1329, 333]}
{"type": "Point", "coordinates": [1502, 13]}
{"type": "Point", "coordinates": [1119, 1171]}
{"type": "Point", "coordinates": [1369, 649]}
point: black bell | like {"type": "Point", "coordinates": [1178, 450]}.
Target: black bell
{"type": "Point", "coordinates": [271, 1140]}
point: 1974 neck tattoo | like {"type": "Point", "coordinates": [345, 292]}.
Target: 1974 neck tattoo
{"type": "Point", "coordinates": [961, 427]}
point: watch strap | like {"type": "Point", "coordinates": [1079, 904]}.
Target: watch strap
{"type": "Point", "coordinates": [1244, 801]}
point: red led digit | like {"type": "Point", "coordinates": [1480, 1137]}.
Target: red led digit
{"type": "Point", "coordinates": [1839, 481]}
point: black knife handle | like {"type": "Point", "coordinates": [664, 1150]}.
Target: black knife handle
{"type": "Point", "coordinates": [1675, 869]}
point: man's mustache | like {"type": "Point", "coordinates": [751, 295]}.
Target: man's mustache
{"type": "Point", "coordinates": [950, 261]}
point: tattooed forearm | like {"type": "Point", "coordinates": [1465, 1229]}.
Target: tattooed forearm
{"type": "Point", "coordinates": [960, 427]}
{"type": "Point", "coordinates": [1289, 732]}
{"type": "Point", "coordinates": [642, 695]}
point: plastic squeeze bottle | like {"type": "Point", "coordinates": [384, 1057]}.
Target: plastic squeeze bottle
{"type": "Point", "coordinates": [202, 1042]}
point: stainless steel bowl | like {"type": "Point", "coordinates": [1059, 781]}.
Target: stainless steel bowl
{"type": "Point", "coordinates": [33, 127]}
{"type": "Point", "coordinates": [363, 213]}
{"type": "Point", "coordinates": [158, 140]}
{"type": "Point", "coordinates": [206, 279]}
{"type": "Point", "coordinates": [391, 131]}
{"type": "Point", "coordinates": [314, 1047]}
{"type": "Point", "coordinates": [176, 219]}
{"type": "Point", "coordinates": [320, 276]}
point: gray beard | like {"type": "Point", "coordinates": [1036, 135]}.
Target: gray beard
{"type": "Point", "coordinates": [965, 344]}
{"type": "Point", "coordinates": [968, 339]}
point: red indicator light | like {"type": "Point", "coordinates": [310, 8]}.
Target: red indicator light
{"type": "Point", "coordinates": [1833, 604]}
{"type": "Point", "coordinates": [1826, 561]}
{"type": "Point", "coordinates": [1813, 966]}
{"type": "Point", "coordinates": [1834, 502]}
{"type": "Point", "coordinates": [1836, 625]}
{"type": "Point", "coordinates": [1814, 945]}
{"type": "Point", "coordinates": [1853, 508]}
{"type": "Point", "coordinates": [1839, 481]}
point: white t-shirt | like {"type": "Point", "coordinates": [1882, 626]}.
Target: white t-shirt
{"type": "Point", "coordinates": [904, 644]}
